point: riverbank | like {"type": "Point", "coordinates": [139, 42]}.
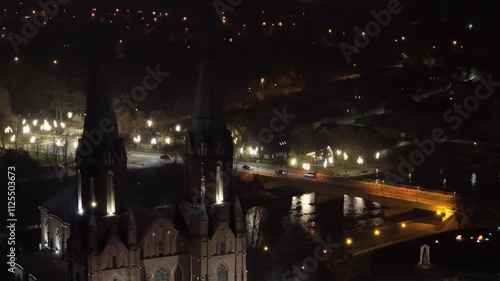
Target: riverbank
{"type": "Point", "coordinates": [470, 254]}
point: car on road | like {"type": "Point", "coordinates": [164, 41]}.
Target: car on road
{"type": "Point", "coordinates": [165, 156]}
{"type": "Point", "coordinates": [280, 172]}
{"type": "Point", "coordinates": [246, 167]}
{"type": "Point", "coordinates": [310, 175]}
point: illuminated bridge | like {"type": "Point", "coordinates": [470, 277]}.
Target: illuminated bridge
{"type": "Point", "coordinates": [381, 193]}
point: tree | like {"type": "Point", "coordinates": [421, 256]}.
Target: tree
{"type": "Point", "coordinates": [304, 140]}
{"type": "Point", "coordinates": [130, 123]}
{"type": "Point", "coordinates": [78, 101]}
{"type": "Point", "coordinates": [6, 116]}
{"type": "Point", "coordinates": [160, 118]}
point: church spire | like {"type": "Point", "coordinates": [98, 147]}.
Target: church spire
{"type": "Point", "coordinates": [207, 111]}
{"type": "Point", "coordinates": [101, 156]}
{"type": "Point", "coordinates": [99, 114]}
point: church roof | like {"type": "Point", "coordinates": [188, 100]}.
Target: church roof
{"type": "Point", "coordinates": [63, 203]}
{"type": "Point", "coordinates": [44, 265]}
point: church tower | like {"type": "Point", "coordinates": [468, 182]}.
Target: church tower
{"type": "Point", "coordinates": [211, 209]}
{"type": "Point", "coordinates": [103, 241]}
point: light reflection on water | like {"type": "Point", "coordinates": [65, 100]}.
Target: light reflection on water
{"type": "Point", "coordinates": [303, 210]}
{"type": "Point", "coordinates": [358, 213]}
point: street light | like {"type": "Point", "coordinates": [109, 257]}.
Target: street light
{"type": "Point", "coordinates": [168, 140]}
{"type": "Point", "coordinates": [377, 155]}
{"type": "Point", "coordinates": [360, 160]}
{"type": "Point", "coordinates": [150, 123]}
{"type": "Point", "coordinates": [70, 114]}
{"type": "Point", "coordinates": [178, 128]}
{"type": "Point", "coordinates": [345, 161]}
{"type": "Point", "coordinates": [409, 178]}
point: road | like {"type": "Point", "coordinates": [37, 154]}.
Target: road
{"type": "Point", "coordinates": [435, 199]}
{"type": "Point", "coordinates": [139, 160]}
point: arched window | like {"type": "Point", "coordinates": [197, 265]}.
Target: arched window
{"type": "Point", "coordinates": [161, 274]}
{"type": "Point", "coordinates": [219, 184]}
{"type": "Point", "coordinates": [47, 230]}
{"type": "Point", "coordinates": [222, 248]}
{"type": "Point", "coordinates": [111, 193]}
{"type": "Point", "coordinates": [178, 274]}
{"type": "Point", "coordinates": [222, 273]}
{"type": "Point", "coordinates": [58, 240]}
{"type": "Point", "coordinates": [161, 248]}
{"type": "Point", "coordinates": [93, 203]}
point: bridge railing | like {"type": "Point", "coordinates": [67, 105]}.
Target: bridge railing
{"type": "Point", "coordinates": [384, 190]}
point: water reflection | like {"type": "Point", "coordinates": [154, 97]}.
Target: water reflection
{"type": "Point", "coordinates": [303, 210]}
{"type": "Point", "coordinates": [311, 216]}
{"type": "Point", "coordinates": [360, 213]}
{"type": "Point", "coordinates": [284, 231]}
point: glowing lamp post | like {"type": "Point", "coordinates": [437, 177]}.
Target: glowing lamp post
{"type": "Point", "coordinates": [153, 142]}
{"type": "Point", "coordinates": [345, 160]}
{"type": "Point", "coordinates": [360, 160]}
